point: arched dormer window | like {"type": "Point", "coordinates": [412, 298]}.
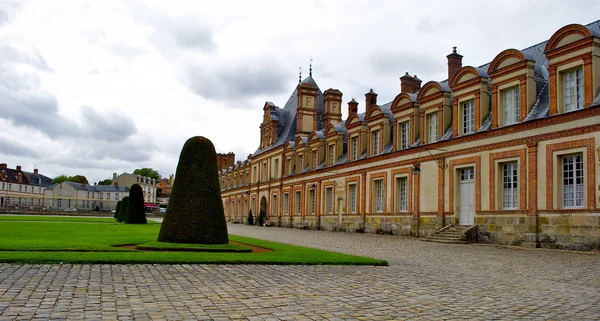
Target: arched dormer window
{"type": "Point", "coordinates": [302, 151]}
{"type": "Point", "coordinates": [513, 87]}
{"type": "Point", "coordinates": [316, 142]}
{"type": "Point", "coordinates": [573, 68]}
{"type": "Point", "coordinates": [357, 136]}
{"type": "Point", "coordinates": [334, 136]}
{"type": "Point", "coordinates": [289, 153]}
{"type": "Point", "coordinates": [378, 122]}
{"type": "Point", "coordinates": [405, 109]}
{"type": "Point", "coordinates": [471, 100]}
{"type": "Point", "coordinates": [436, 111]}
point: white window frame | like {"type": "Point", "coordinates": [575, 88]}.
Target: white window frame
{"type": "Point", "coordinates": [404, 135]}
{"type": "Point", "coordinates": [378, 195]}
{"type": "Point", "coordinates": [273, 205]}
{"type": "Point", "coordinates": [432, 122]}
{"type": "Point", "coordinates": [511, 104]}
{"type": "Point", "coordinates": [286, 203]}
{"type": "Point", "coordinates": [468, 117]}
{"type": "Point", "coordinates": [329, 199]}
{"type": "Point", "coordinates": [572, 180]}
{"type": "Point", "coordinates": [276, 168]}
{"type": "Point", "coordinates": [573, 89]}
{"type": "Point", "coordinates": [315, 159]}
{"type": "Point", "coordinates": [510, 185]}
{"type": "Point", "coordinates": [331, 155]}
{"type": "Point", "coordinates": [375, 135]}
{"type": "Point", "coordinates": [298, 196]}
{"type": "Point", "coordinates": [402, 194]}
{"type": "Point", "coordinates": [354, 148]}
{"type": "Point", "coordinates": [301, 163]}
{"type": "Point", "coordinates": [311, 201]}
{"type": "Point", "coordinates": [352, 198]}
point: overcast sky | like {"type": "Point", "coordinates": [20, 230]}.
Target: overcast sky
{"type": "Point", "coordinates": [96, 87]}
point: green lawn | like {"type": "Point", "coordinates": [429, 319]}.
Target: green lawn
{"type": "Point", "coordinates": [35, 239]}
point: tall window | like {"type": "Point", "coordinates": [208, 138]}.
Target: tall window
{"type": "Point", "coordinates": [401, 194]}
{"type": "Point", "coordinates": [331, 155]}
{"type": "Point", "coordinates": [315, 159]}
{"type": "Point", "coordinates": [329, 200]}
{"type": "Point", "coordinates": [254, 174]}
{"type": "Point", "coordinates": [404, 133]}
{"type": "Point", "coordinates": [378, 189]}
{"type": "Point", "coordinates": [432, 122]}
{"type": "Point", "coordinates": [264, 172]}
{"type": "Point", "coordinates": [298, 202]}
{"type": "Point", "coordinates": [274, 206]}
{"type": "Point", "coordinates": [352, 198]}
{"type": "Point", "coordinates": [510, 192]}
{"type": "Point", "coordinates": [276, 169]}
{"type": "Point", "coordinates": [511, 102]}
{"type": "Point", "coordinates": [311, 200]}
{"type": "Point", "coordinates": [301, 163]}
{"type": "Point", "coordinates": [468, 113]}
{"type": "Point", "coordinates": [375, 136]}
{"type": "Point", "coordinates": [572, 175]}
{"type": "Point", "coordinates": [573, 86]}
{"type": "Point", "coordinates": [354, 148]}
{"type": "Point", "coordinates": [286, 203]}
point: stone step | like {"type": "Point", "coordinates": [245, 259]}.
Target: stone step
{"type": "Point", "coordinates": [438, 237]}
{"type": "Point", "coordinates": [446, 241]}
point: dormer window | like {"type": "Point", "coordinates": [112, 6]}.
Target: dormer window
{"type": "Point", "coordinates": [468, 117]}
{"type": "Point", "coordinates": [354, 148]}
{"type": "Point", "coordinates": [432, 125]}
{"type": "Point", "coordinates": [300, 163]}
{"type": "Point", "coordinates": [375, 136]}
{"type": "Point", "coordinates": [315, 159]}
{"type": "Point", "coordinates": [573, 89]}
{"type": "Point", "coordinates": [404, 135]}
{"type": "Point", "coordinates": [510, 104]}
{"type": "Point", "coordinates": [331, 155]}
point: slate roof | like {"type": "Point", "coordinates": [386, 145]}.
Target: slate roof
{"type": "Point", "coordinates": [38, 179]}
{"type": "Point", "coordinates": [94, 188]}
{"type": "Point", "coordinates": [12, 176]}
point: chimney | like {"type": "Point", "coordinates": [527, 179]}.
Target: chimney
{"type": "Point", "coordinates": [3, 165]}
{"type": "Point", "coordinates": [409, 84]}
{"type": "Point", "coordinates": [454, 63]}
{"type": "Point", "coordinates": [18, 168]}
{"type": "Point", "coordinates": [116, 185]}
{"type": "Point", "coordinates": [114, 175]}
{"type": "Point", "coordinates": [370, 100]}
{"type": "Point", "coordinates": [333, 104]}
{"type": "Point", "coordinates": [35, 170]}
{"type": "Point", "coordinates": [352, 107]}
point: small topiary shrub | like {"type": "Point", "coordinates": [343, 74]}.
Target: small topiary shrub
{"type": "Point", "coordinates": [250, 220]}
{"type": "Point", "coordinates": [117, 209]}
{"type": "Point", "coordinates": [122, 217]}
{"type": "Point", "coordinates": [195, 212]}
{"type": "Point", "coordinates": [97, 209]}
{"type": "Point", "coordinates": [135, 211]}
{"type": "Point", "coordinates": [261, 218]}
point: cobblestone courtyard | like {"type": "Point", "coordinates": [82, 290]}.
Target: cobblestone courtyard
{"type": "Point", "coordinates": [425, 281]}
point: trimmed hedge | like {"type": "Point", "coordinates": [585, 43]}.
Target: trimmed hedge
{"type": "Point", "coordinates": [250, 219]}
{"type": "Point", "coordinates": [122, 217]}
{"type": "Point", "coordinates": [135, 211]}
{"type": "Point", "coordinates": [195, 212]}
{"type": "Point", "coordinates": [117, 209]}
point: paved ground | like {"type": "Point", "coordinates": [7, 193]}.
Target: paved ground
{"type": "Point", "coordinates": [425, 281]}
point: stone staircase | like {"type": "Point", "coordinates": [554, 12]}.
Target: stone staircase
{"type": "Point", "coordinates": [451, 234]}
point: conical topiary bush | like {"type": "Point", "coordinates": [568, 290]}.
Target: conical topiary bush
{"type": "Point", "coordinates": [122, 216]}
{"type": "Point", "coordinates": [195, 212]}
{"type": "Point", "coordinates": [117, 209]}
{"type": "Point", "coordinates": [135, 211]}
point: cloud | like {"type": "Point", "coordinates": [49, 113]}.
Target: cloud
{"type": "Point", "coordinates": [32, 58]}
{"type": "Point", "coordinates": [402, 61]}
{"type": "Point", "coordinates": [17, 148]}
{"type": "Point", "coordinates": [242, 81]}
{"type": "Point", "coordinates": [110, 126]}
{"type": "Point", "coordinates": [3, 17]}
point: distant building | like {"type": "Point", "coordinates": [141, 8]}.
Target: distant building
{"type": "Point", "coordinates": [224, 161]}
{"type": "Point", "coordinates": [164, 188]}
{"type": "Point", "coordinates": [22, 189]}
{"type": "Point", "coordinates": [148, 184]}
{"type": "Point", "coordinates": [68, 195]}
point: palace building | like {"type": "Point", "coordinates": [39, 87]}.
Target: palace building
{"type": "Point", "coordinates": [510, 150]}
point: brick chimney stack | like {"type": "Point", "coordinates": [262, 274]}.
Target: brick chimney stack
{"type": "Point", "coordinates": [454, 63]}
{"type": "Point", "coordinates": [370, 100]}
{"type": "Point", "coordinates": [410, 84]}
{"type": "Point", "coordinates": [333, 104]}
{"type": "Point", "coordinates": [35, 171]}
{"type": "Point", "coordinates": [352, 107]}
{"type": "Point", "coordinates": [3, 165]}
{"type": "Point", "coordinates": [18, 168]}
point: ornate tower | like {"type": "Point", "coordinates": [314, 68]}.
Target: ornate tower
{"type": "Point", "coordinates": [306, 114]}
{"type": "Point", "coordinates": [333, 103]}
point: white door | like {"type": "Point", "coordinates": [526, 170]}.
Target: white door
{"type": "Point", "coordinates": [466, 205]}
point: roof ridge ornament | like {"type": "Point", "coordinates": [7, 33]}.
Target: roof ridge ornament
{"type": "Point", "coordinates": [300, 76]}
{"type": "Point", "coordinates": [310, 68]}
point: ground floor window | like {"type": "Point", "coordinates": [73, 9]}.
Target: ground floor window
{"type": "Point", "coordinates": [572, 180]}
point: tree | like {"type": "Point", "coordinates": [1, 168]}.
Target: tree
{"type": "Point", "coordinates": [147, 172]}
{"type": "Point", "coordinates": [135, 211]}
{"type": "Point", "coordinates": [250, 219]}
{"type": "Point", "coordinates": [122, 217]}
{"type": "Point", "coordinates": [107, 181]}
{"type": "Point", "coordinates": [77, 179]}
{"type": "Point", "coordinates": [195, 212]}
{"type": "Point", "coordinates": [117, 209]}
{"type": "Point", "coordinates": [261, 217]}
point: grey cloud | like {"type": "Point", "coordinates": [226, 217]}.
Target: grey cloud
{"type": "Point", "coordinates": [17, 149]}
{"type": "Point", "coordinates": [401, 62]}
{"type": "Point", "coordinates": [3, 17]}
{"type": "Point", "coordinates": [111, 127]}
{"type": "Point", "coordinates": [240, 82]}
{"type": "Point", "coordinates": [12, 55]}
{"type": "Point", "coordinates": [190, 34]}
